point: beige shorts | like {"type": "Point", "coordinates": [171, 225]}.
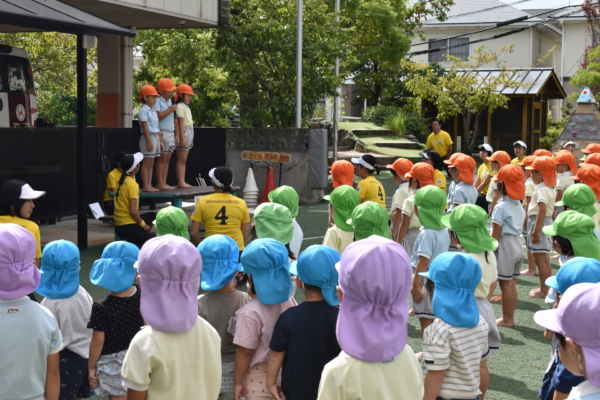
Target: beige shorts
{"type": "Point", "coordinates": [188, 134]}
{"type": "Point", "coordinates": [144, 149]}
{"type": "Point", "coordinates": [510, 257]}
{"type": "Point", "coordinates": [168, 138]}
{"type": "Point", "coordinates": [485, 310]}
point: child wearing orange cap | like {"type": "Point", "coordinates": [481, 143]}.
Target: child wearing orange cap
{"type": "Point", "coordinates": [165, 109]}
{"type": "Point", "coordinates": [420, 175]}
{"type": "Point", "coordinates": [151, 143]}
{"type": "Point", "coordinates": [542, 152]}
{"type": "Point", "coordinates": [591, 148]}
{"type": "Point", "coordinates": [593, 158]}
{"type": "Point", "coordinates": [185, 125]}
{"type": "Point", "coordinates": [461, 190]}
{"type": "Point", "coordinates": [399, 169]}
{"type": "Point", "coordinates": [342, 173]}
{"type": "Point", "coordinates": [499, 159]}
{"type": "Point", "coordinates": [529, 189]}
{"type": "Point", "coordinates": [541, 209]}
{"type": "Point", "coordinates": [565, 169]}
{"type": "Point", "coordinates": [507, 220]}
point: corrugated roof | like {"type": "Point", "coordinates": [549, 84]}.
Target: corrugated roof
{"type": "Point", "coordinates": [534, 78]}
{"type": "Point", "coordinates": [470, 12]}
{"type": "Point", "coordinates": [54, 15]}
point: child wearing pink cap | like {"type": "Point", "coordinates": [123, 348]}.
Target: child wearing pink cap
{"type": "Point", "coordinates": [31, 338]}
{"type": "Point", "coordinates": [177, 355]}
{"type": "Point", "coordinates": [375, 362]}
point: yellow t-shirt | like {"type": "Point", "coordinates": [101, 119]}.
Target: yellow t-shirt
{"type": "Point", "coordinates": [112, 179]}
{"type": "Point", "coordinates": [183, 111]}
{"type": "Point", "coordinates": [338, 239]}
{"type": "Point", "coordinates": [440, 180]}
{"type": "Point", "coordinates": [128, 190]}
{"type": "Point", "coordinates": [440, 142]}
{"type": "Point", "coordinates": [484, 170]}
{"type": "Point", "coordinates": [370, 189]}
{"type": "Point", "coordinates": [222, 214]}
{"type": "Point", "coordinates": [516, 161]}
{"type": "Point", "coordinates": [30, 226]}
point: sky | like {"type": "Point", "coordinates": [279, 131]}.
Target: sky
{"type": "Point", "coordinates": [541, 4]}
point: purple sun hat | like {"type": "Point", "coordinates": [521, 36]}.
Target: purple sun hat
{"type": "Point", "coordinates": [18, 274]}
{"type": "Point", "coordinates": [169, 268]}
{"type": "Point", "coordinates": [375, 278]}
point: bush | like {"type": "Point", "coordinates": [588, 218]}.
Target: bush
{"type": "Point", "coordinates": [396, 123]}
{"type": "Point", "coordinates": [417, 126]}
{"type": "Point", "coordinates": [378, 115]}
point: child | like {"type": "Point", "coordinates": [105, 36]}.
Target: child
{"type": "Point", "coordinates": [507, 219]}
{"type": "Point", "coordinates": [462, 191]}
{"type": "Point", "coordinates": [542, 152]}
{"type": "Point", "coordinates": [578, 229]}
{"type": "Point", "coordinates": [529, 189]}
{"type": "Point", "coordinates": [369, 188]}
{"type": "Point", "coordinates": [342, 201]}
{"type": "Point", "coordinates": [468, 223]}
{"type": "Point", "coordinates": [115, 319]}
{"type": "Point", "coordinates": [432, 158]}
{"type": "Point", "coordinates": [399, 169]}
{"type": "Point", "coordinates": [499, 159]}
{"type": "Point", "coordinates": [266, 263]}
{"type": "Point", "coordinates": [111, 184]}
{"type": "Point", "coordinates": [172, 220]}
{"type": "Point", "coordinates": [576, 323]}
{"type": "Point", "coordinates": [220, 257]}
{"type": "Point", "coordinates": [592, 159]}
{"type": "Point", "coordinates": [151, 142]}
{"type": "Point", "coordinates": [589, 174]}
{"type": "Point", "coordinates": [543, 172]}
{"type": "Point", "coordinates": [165, 110]}
{"type": "Point", "coordinates": [420, 176]}
{"type": "Point", "coordinates": [591, 149]}
{"type": "Point", "coordinates": [570, 146]}
{"type": "Point", "coordinates": [129, 225]}
{"type": "Point", "coordinates": [484, 175]}
{"type": "Point", "coordinates": [581, 198]}
{"type": "Point", "coordinates": [176, 356]}
{"type": "Point", "coordinates": [456, 342]}
{"type": "Point", "coordinates": [432, 241]}
{"type": "Point", "coordinates": [304, 338]}
{"type": "Point", "coordinates": [342, 173]}
{"type": "Point", "coordinates": [31, 339]}
{"type": "Point", "coordinates": [565, 169]}
{"type": "Point", "coordinates": [287, 196]}
{"type": "Point", "coordinates": [185, 126]}
{"type": "Point", "coordinates": [520, 150]}
{"type": "Point", "coordinates": [376, 362]}
{"type": "Point", "coordinates": [71, 305]}
{"type": "Point", "coordinates": [367, 220]}
{"type": "Point", "coordinates": [274, 221]}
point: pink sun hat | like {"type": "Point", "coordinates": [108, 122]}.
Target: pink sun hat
{"type": "Point", "coordinates": [18, 274]}
{"type": "Point", "coordinates": [375, 277]}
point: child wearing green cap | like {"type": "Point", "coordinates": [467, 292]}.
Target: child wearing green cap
{"type": "Point", "coordinates": [581, 198]}
{"type": "Point", "coordinates": [432, 241]}
{"type": "Point", "coordinates": [272, 220]}
{"type": "Point", "coordinates": [288, 197]}
{"type": "Point", "coordinates": [304, 339]}
{"type": "Point", "coordinates": [342, 201]}
{"type": "Point", "coordinates": [172, 220]}
{"type": "Point", "coordinates": [368, 219]}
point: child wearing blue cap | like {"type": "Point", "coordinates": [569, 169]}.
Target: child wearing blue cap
{"type": "Point", "coordinates": [220, 267]}
{"type": "Point", "coordinates": [266, 263]}
{"type": "Point", "coordinates": [304, 338]}
{"type": "Point", "coordinates": [115, 319]}
{"type": "Point", "coordinates": [71, 305]}
{"type": "Point", "coordinates": [454, 344]}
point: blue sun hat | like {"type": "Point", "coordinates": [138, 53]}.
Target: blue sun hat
{"type": "Point", "coordinates": [456, 276]}
{"type": "Point", "coordinates": [267, 261]}
{"type": "Point", "coordinates": [115, 271]}
{"type": "Point", "coordinates": [316, 266]}
{"type": "Point", "coordinates": [60, 270]}
{"type": "Point", "coordinates": [220, 256]}
{"type": "Point", "coordinates": [577, 270]}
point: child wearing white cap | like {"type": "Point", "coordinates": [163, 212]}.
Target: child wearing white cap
{"type": "Point", "coordinates": [569, 146]}
{"type": "Point", "coordinates": [520, 149]}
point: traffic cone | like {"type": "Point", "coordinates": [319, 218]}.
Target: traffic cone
{"type": "Point", "coordinates": [269, 186]}
{"type": "Point", "coordinates": [251, 190]}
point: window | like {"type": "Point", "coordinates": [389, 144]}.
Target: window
{"type": "Point", "coordinates": [461, 52]}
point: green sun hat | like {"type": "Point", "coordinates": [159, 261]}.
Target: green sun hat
{"type": "Point", "coordinates": [370, 218]}
{"type": "Point", "coordinates": [172, 220]}
{"type": "Point", "coordinates": [579, 229]}
{"type": "Point", "coordinates": [344, 200]}
{"type": "Point", "coordinates": [469, 222]}
{"type": "Point", "coordinates": [431, 203]}
{"type": "Point", "coordinates": [274, 221]}
{"type": "Point", "coordinates": [579, 197]}
{"type": "Point", "coordinates": [286, 196]}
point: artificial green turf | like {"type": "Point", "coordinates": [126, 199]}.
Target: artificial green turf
{"type": "Point", "coordinates": [349, 126]}
{"type": "Point", "coordinates": [370, 140]}
{"type": "Point", "coordinates": [516, 371]}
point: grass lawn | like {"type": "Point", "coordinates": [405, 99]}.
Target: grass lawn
{"type": "Point", "coordinates": [370, 140]}
{"type": "Point", "coordinates": [349, 126]}
{"type": "Point", "coordinates": [516, 371]}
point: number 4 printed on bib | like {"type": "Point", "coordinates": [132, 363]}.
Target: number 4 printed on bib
{"type": "Point", "coordinates": [222, 216]}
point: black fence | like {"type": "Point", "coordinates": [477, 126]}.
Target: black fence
{"type": "Point", "coordinates": [46, 159]}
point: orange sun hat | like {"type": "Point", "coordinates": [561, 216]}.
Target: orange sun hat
{"type": "Point", "coordinates": [590, 175]}
{"type": "Point", "coordinates": [342, 172]}
{"type": "Point", "coordinates": [592, 148]}
{"type": "Point", "coordinates": [466, 166]}
{"type": "Point", "coordinates": [424, 173]}
{"type": "Point", "coordinates": [401, 166]}
{"type": "Point", "coordinates": [184, 89]}
{"type": "Point", "coordinates": [542, 152]}
{"type": "Point", "coordinates": [512, 176]}
{"type": "Point", "coordinates": [547, 167]}
{"type": "Point", "coordinates": [501, 157]}
{"type": "Point", "coordinates": [593, 158]}
{"type": "Point", "coordinates": [565, 157]}
{"type": "Point", "coordinates": [166, 84]}
{"type": "Point", "coordinates": [527, 161]}
{"type": "Point", "coordinates": [147, 90]}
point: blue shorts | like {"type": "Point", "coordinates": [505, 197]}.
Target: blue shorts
{"type": "Point", "coordinates": [74, 382]}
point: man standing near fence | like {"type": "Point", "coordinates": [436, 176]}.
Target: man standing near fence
{"type": "Point", "coordinates": [440, 140]}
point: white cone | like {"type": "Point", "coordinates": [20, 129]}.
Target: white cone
{"type": "Point", "coordinates": [250, 182]}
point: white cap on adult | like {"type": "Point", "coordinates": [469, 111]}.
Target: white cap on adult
{"type": "Point", "coordinates": [27, 193]}
{"type": "Point", "coordinates": [520, 143]}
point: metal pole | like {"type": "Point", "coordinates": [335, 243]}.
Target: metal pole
{"type": "Point", "coordinates": [338, 92]}
{"type": "Point", "coordinates": [299, 66]}
{"type": "Point", "coordinates": [82, 234]}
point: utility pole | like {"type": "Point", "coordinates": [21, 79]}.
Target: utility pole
{"type": "Point", "coordinates": [299, 66]}
{"type": "Point", "coordinates": [338, 93]}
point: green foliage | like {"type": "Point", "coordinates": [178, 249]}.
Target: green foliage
{"type": "Point", "coordinates": [590, 75]}
{"type": "Point", "coordinates": [556, 126]}
{"type": "Point", "coordinates": [378, 115]}
{"type": "Point", "coordinates": [396, 123]}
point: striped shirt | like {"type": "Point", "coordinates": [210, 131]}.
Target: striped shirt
{"type": "Point", "coordinates": [458, 351]}
{"type": "Point", "coordinates": [73, 315]}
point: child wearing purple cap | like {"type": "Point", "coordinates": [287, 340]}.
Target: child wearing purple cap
{"type": "Point", "coordinates": [177, 355]}
{"type": "Point", "coordinates": [375, 362]}
{"type": "Point", "coordinates": [31, 339]}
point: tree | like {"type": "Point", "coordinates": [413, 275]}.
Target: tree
{"type": "Point", "coordinates": [589, 74]}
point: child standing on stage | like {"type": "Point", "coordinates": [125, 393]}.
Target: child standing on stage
{"type": "Point", "coordinates": [111, 184]}
{"type": "Point", "coordinates": [115, 319]}
{"type": "Point", "coordinates": [461, 191]}
{"type": "Point", "coordinates": [565, 169]}
{"type": "Point", "coordinates": [543, 172]}
{"type": "Point", "coordinates": [520, 149]}
{"type": "Point", "coordinates": [220, 255]}
{"type": "Point", "coordinates": [151, 142]}
{"type": "Point", "coordinates": [185, 127]}
{"type": "Point", "coordinates": [507, 219]}
{"type": "Point", "coordinates": [165, 109]}
{"type": "Point", "coordinates": [369, 188]}
{"type": "Point", "coordinates": [71, 305]}
{"type": "Point", "coordinates": [399, 169]}
{"type": "Point", "coordinates": [342, 201]}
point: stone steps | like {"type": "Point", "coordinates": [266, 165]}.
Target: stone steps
{"type": "Point", "coordinates": [399, 145]}
{"type": "Point", "coordinates": [372, 132]}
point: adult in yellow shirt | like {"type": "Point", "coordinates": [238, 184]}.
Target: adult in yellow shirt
{"type": "Point", "coordinates": [221, 213]}
{"type": "Point", "coordinates": [440, 140]}
{"type": "Point", "coordinates": [369, 188]}
{"type": "Point", "coordinates": [520, 149]}
{"type": "Point", "coordinates": [16, 206]}
{"type": "Point", "coordinates": [484, 175]}
{"type": "Point", "coordinates": [111, 184]}
{"type": "Point", "coordinates": [130, 226]}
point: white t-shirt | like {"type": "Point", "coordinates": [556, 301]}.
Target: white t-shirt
{"type": "Point", "coordinates": [297, 237]}
{"type": "Point", "coordinates": [408, 209]}
{"type": "Point", "coordinates": [338, 239]}
{"type": "Point", "coordinates": [489, 272]}
{"type": "Point", "coordinates": [402, 193]}
{"type": "Point", "coordinates": [585, 391]}
{"type": "Point", "coordinates": [543, 194]}
{"type": "Point", "coordinates": [563, 181]}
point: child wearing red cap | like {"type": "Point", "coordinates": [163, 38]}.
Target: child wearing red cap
{"type": "Point", "coordinates": [399, 169]}
{"type": "Point", "coordinates": [151, 143]}
{"type": "Point", "coordinates": [185, 124]}
{"type": "Point", "coordinates": [165, 109]}
{"type": "Point", "coordinates": [543, 172]}
{"type": "Point", "coordinates": [499, 159]}
{"type": "Point", "coordinates": [461, 191]}
{"type": "Point", "coordinates": [529, 189]}
{"type": "Point", "coordinates": [565, 169]}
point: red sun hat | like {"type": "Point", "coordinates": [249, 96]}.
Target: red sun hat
{"type": "Point", "coordinates": [527, 161]}
{"type": "Point", "coordinates": [166, 84]}
{"type": "Point", "coordinates": [184, 89]}
{"type": "Point", "coordinates": [342, 172]}
{"type": "Point", "coordinates": [401, 166]}
{"type": "Point", "coordinates": [565, 157]}
{"type": "Point", "coordinates": [424, 173]}
{"type": "Point", "coordinates": [590, 175]}
{"type": "Point", "coordinates": [593, 158]}
{"type": "Point", "coordinates": [512, 177]}
{"type": "Point", "coordinates": [542, 152]}
{"type": "Point", "coordinates": [547, 167]}
{"type": "Point", "coordinates": [147, 90]}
